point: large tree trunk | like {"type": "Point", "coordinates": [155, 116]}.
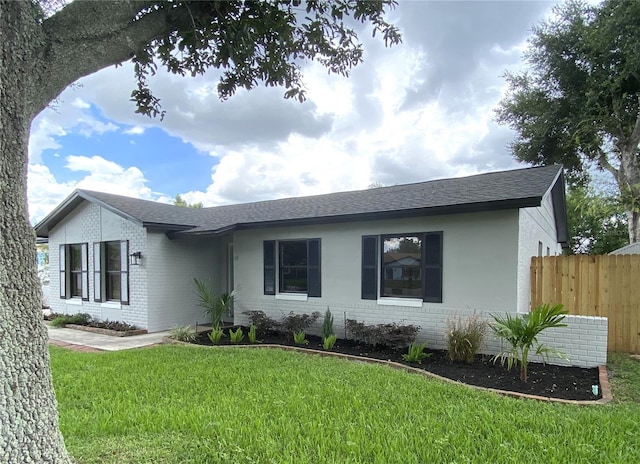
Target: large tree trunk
{"type": "Point", "coordinates": [28, 411]}
{"type": "Point", "coordinates": [629, 183]}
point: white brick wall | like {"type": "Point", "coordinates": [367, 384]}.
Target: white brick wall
{"type": "Point", "coordinates": [583, 341]}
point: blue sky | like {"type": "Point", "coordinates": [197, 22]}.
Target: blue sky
{"type": "Point", "coordinates": [418, 111]}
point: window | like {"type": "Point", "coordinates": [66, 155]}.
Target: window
{"type": "Point", "coordinates": [404, 265]}
{"type": "Point", "coordinates": [74, 271]}
{"type": "Point", "coordinates": [111, 271]}
{"type": "Point", "coordinates": [298, 267]}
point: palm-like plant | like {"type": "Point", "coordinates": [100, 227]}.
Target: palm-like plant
{"type": "Point", "coordinates": [215, 306]}
{"type": "Point", "coordinates": [521, 333]}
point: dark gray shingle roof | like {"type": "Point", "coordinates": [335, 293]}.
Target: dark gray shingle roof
{"type": "Point", "coordinates": [498, 190]}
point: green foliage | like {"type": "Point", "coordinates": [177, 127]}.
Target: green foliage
{"type": "Point", "coordinates": [59, 321]}
{"type": "Point", "coordinates": [415, 353]}
{"type": "Point", "coordinates": [578, 103]}
{"type": "Point", "coordinates": [395, 336]}
{"type": "Point", "coordinates": [465, 337]}
{"type": "Point", "coordinates": [329, 342]}
{"type": "Point", "coordinates": [183, 334]}
{"type": "Point", "coordinates": [327, 324]}
{"type": "Point", "coordinates": [178, 201]}
{"type": "Point", "coordinates": [300, 338]}
{"type": "Point", "coordinates": [253, 337]}
{"type": "Point", "coordinates": [521, 333]}
{"type": "Point", "coordinates": [216, 335]}
{"type": "Point", "coordinates": [624, 375]}
{"type": "Point", "coordinates": [258, 42]}
{"type": "Point", "coordinates": [597, 222]}
{"type": "Point", "coordinates": [215, 306]}
{"type": "Point", "coordinates": [153, 412]}
{"type": "Point", "coordinates": [237, 336]}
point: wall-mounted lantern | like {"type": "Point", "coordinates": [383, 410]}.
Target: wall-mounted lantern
{"type": "Point", "coordinates": [134, 258]}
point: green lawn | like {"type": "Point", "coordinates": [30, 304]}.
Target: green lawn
{"type": "Point", "coordinates": [177, 404]}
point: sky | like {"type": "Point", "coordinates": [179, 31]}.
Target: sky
{"type": "Point", "coordinates": [417, 111]}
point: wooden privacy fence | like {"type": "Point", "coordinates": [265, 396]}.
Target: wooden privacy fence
{"type": "Point", "coordinates": [601, 285]}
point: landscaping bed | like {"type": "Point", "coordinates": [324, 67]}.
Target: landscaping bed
{"type": "Point", "coordinates": [545, 380]}
{"type": "Point", "coordinates": [86, 323]}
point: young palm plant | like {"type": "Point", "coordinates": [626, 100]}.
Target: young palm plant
{"type": "Point", "coordinates": [521, 334]}
{"type": "Point", "coordinates": [215, 306]}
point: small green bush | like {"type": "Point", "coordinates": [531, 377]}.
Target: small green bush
{"type": "Point", "coordinates": [416, 353]}
{"type": "Point", "coordinates": [215, 335]}
{"type": "Point", "coordinates": [79, 319]}
{"type": "Point", "coordinates": [253, 337]}
{"type": "Point", "coordinates": [465, 337]}
{"type": "Point", "coordinates": [300, 338]}
{"type": "Point", "coordinates": [59, 321]}
{"type": "Point", "coordinates": [328, 342]}
{"type": "Point", "coordinates": [327, 324]}
{"type": "Point", "coordinates": [237, 336]}
{"type": "Point", "coordinates": [183, 334]}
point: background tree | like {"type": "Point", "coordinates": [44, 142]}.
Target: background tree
{"type": "Point", "coordinates": [45, 48]}
{"type": "Point", "coordinates": [597, 222]}
{"type": "Point", "coordinates": [579, 102]}
{"type": "Point", "coordinates": [179, 201]}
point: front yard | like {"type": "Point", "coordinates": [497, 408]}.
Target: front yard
{"type": "Point", "coordinates": [178, 404]}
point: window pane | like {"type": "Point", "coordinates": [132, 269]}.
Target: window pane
{"type": "Point", "coordinates": [112, 250]}
{"type": "Point", "coordinates": [76, 283]}
{"type": "Point", "coordinates": [75, 257]}
{"type": "Point", "coordinates": [402, 266]}
{"type": "Point", "coordinates": [113, 286]}
{"type": "Point", "coordinates": [293, 266]}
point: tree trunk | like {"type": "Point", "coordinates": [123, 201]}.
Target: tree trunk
{"type": "Point", "coordinates": [629, 183]}
{"type": "Point", "coordinates": [29, 431]}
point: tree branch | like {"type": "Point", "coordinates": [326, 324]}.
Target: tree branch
{"type": "Point", "coordinates": [87, 36]}
{"type": "Point", "coordinates": [604, 163]}
{"type": "Point", "coordinates": [634, 139]}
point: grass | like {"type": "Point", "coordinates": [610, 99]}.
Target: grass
{"type": "Point", "coordinates": [177, 404]}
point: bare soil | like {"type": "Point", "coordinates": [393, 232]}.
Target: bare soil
{"type": "Point", "coordinates": [546, 380]}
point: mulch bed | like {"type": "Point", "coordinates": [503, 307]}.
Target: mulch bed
{"type": "Point", "coordinates": [545, 380]}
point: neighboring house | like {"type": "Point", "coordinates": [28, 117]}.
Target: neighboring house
{"type": "Point", "coordinates": [468, 244]}
{"type": "Point", "coordinates": [631, 249]}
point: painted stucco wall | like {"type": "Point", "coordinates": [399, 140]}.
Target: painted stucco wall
{"type": "Point", "coordinates": [171, 266]}
{"type": "Point", "coordinates": [537, 226]}
{"type": "Point", "coordinates": [90, 223]}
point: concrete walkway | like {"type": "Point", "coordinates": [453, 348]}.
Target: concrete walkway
{"type": "Point", "coordinates": [80, 340]}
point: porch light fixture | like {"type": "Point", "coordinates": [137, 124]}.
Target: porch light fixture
{"type": "Point", "coordinates": [134, 258]}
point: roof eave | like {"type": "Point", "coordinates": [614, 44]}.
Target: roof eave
{"type": "Point", "coordinates": [371, 216]}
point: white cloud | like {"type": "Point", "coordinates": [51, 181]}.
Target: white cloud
{"type": "Point", "coordinates": [135, 130]}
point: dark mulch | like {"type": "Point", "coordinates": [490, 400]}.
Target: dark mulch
{"type": "Point", "coordinates": [572, 383]}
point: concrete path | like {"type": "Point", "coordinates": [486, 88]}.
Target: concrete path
{"type": "Point", "coordinates": [75, 339]}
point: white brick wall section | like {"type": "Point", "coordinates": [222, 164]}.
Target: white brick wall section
{"type": "Point", "coordinates": [583, 341]}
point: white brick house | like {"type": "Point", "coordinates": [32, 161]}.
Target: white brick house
{"type": "Point", "coordinates": [417, 253]}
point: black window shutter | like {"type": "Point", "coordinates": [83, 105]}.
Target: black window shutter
{"type": "Point", "coordinates": [84, 253]}
{"type": "Point", "coordinates": [432, 259]}
{"type": "Point", "coordinates": [64, 281]}
{"type": "Point", "coordinates": [370, 267]}
{"type": "Point", "coordinates": [97, 274]}
{"type": "Point", "coordinates": [124, 272]}
{"type": "Point", "coordinates": [313, 268]}
{"type": "Point", "coordinates": [269, 267]}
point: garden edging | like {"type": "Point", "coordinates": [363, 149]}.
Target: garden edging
{"type": "Point", "coordinates": [602, 372]}
{"type": "Point", "coordinates": [113, 333]}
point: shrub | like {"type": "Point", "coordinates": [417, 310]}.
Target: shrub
{"type": "Point", "coordinates": [79, 319]}
{"type": "Point", "coordinates": [297, 322]}
{"type": "Point", "coordinates": [183, 334]}
{"type": "Point", "coordinates": [215, 335]}
{"type": "Point", "coordinates": [465, 337]}
{"type": "Point", "coordinates": [328, 342]}
{"type": "Point", "coordinates": [263, 323]}
{"type": "Point", "coordinates": [395, 336]}
{"type": "Point", "coordinates": [521, 333]}
{"type": "Point", "coordinates": [237, 336]}
{"type": "Point", "coordinates": [299, 338]}
{"type": "Point", "coordinates": [416, 353]}
{"type": "Point", "coordinates": [112, 325]}
{"type": "Point", "coordinates": [327, 324]}
{"type": "Point", "coordinates": [59, 321]}
{"type": "Point", "coordinates": [253, 338]}
{"type": "Point", "coordinates": [215, 306]}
